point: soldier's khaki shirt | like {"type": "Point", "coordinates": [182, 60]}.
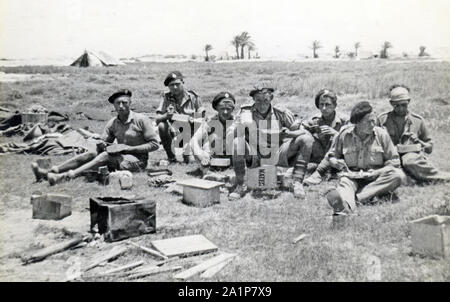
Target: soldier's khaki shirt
{"type": "Point", "coordinates": [188, 105]}
{"type": "Point", "coordinates": [136, 131]}
{"type": "Point", "coordinates": [317, 120]}
{"type": "Point", "coordinates": [375, 151]}
{"type": "Point", "coordinates": [276, 119]}
{"type": "Point", "coordinates": [412, 123]}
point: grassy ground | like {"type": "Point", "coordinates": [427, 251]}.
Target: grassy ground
{"type": "Point", "coordinates": [374, 245]}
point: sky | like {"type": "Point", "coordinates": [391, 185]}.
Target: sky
{"type": "Point", "coordinates": [127, 28]}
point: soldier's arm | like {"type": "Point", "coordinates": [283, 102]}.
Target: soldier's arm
{"type": "Point", "coordinates": [108, 134]}
{"type": "Point", "coordinates": [390, 154]}
{"type": "Point", "coordinates": [200, 136]}
{"type": "Point", "coordinates": [424, 136]}
{"type": "Point", "coordinates": [161, 111]}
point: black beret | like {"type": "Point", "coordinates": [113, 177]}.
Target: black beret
{"type": "Point", "coordinates": [174, 75]}
{"type": "Point", "coordinates": [116, 94]}
{"type": "Point", "coordinates": [222, 95]}
{"type": "Point", "coordinates": [259, 89]}
{"type": "Point", "coordinates": [360, 111]}
{"type": "Point", "coordinates": [327, 93]}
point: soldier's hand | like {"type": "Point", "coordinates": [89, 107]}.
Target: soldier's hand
{"type": "Point", "coordinates": [205, 161]}
{"type": "Point", "coordinates": [327, 130]}
{"type": "Point", "coordinates": [338, 164]}
{"type": "Point", "coordinates": [413, 137]}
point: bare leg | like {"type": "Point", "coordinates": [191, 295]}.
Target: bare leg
{"type": "Point", "coordinates": [74, 162]}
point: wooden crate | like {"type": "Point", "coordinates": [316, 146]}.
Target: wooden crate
{"type": "Point", "coordinates": [34, 118]}
{"type": "Point", "coordinates": [220, 162]}
{"type": "Point", "coordinates": [264, 177]}
{"type": "Point", "coordinates": [430, 236]}
{"type": "Point", "coordinates": [200, 192]}
{"type": "Point", "coordinates": [51, 206]}
{"type": "Point", "coordinates": [119, 218]}
{"type": "Point", "coordinates": [184, 246]}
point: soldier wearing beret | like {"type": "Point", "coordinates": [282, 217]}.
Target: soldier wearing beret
{"type": "Point", "coordinates": [177, 100]}
{"type": "Point", "coordinates": [135, 139]}
{"type": "Point", "coordinates": [209, 141]}
{"type": "Point", "coordinates": [368, 159]}
{"type": "Point", "coordinates": [409, 133]}
{"type": "Point", "coordinates": [273, 129]}
{"type": "Point", "coordinates": [323, 127]}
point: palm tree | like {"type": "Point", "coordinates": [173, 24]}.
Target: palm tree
{"type": "Point", "coordinates": [207, 48]}
{"type": "Point", "coordinates": [245, 40]}
{"type": "Point", "coordinates": [384, 53]}
{"type": "Point", "coordinates": [422, 52]}
{"type": "Point", "coordinates": [357, 45]}
{"type": "Point", "coordinates": [236, 42]}
{"type": "Point", "coordinates": [337, 52]}
{"type": "Point", "coordinates": [250, 47]}
{"type": "Point", "coordinates": [315, 46]}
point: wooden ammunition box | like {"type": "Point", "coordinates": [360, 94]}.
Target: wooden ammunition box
{"type": "Point", "coordinates": [200, 192]}
{"type": "Point", "coordinates": [264, 177]}
{"type": "Point", "coordinates": [51, 206]}
{"type": "Point", "coordinates": [430, 236]}
{"type": "Point", "coordinates": [118, 218]}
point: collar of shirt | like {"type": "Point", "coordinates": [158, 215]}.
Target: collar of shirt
{"type": "Point", "coordinates": [130, 118]}
{"type": "Point", "coordinates": [186, 97]}
{"type": "Point", "coordinates": [270, 114]}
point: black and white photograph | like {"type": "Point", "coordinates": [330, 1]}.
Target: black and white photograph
{"type": "Point", "coordinates": [224, 141]}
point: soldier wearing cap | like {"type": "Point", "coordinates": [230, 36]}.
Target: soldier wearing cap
{"type": "Point", "coordinates": [409, 133]}
{"type": "Point", "coordinates": [323, 127]}
{"type": "Point", "coordinates": [368, 159]}
{"type": "Point", "coordinates": [209, 141]}
{"type": "Point", "coordinates": [270, 137]}
{"type": "Point", "coordinates": [135, 139]}
{"type": "Point", "coordinates": [177, 100]}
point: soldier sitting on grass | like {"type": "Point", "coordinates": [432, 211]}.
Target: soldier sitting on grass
{"type": "Point", "coordinates": [135, 139]}
{"type": "Point", "coordinates": [409, 133]}
{"type": "Point", "coordinates": [368, 159]}
{"type": "Point", "coordinates": [268, 136]}
{"type": "Point", "coordinates": [209, 141]}
{"type": "Point", "coordinates": [178, 100]}
{"type": "Point", "coordinates": [323, 127]}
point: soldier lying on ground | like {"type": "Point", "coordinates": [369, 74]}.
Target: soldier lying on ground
{"type": "Point", "coordinates": [410, 135]}
{"type": "Point", "coordinates": [209, 141]}
{"type": "Point", "coordinates": [135, 139]}
{"type": "Point", "coordinates": [178, 100]}
{"type": "Point", "coordinates": [269, 138]}
{"type": "Point", "coordinates": [368, 158]}
{"type": "Point", "coordinates": [323, 127]}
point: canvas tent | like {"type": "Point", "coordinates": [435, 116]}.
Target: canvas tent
{"type": "Point", "coordinates": [90, 58]}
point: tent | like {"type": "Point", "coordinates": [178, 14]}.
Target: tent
{"type": "Point", "coordinates": [90, 58]}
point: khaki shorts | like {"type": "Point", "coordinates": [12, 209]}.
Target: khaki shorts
{"type": "Point", "coordinates": [127, 162]}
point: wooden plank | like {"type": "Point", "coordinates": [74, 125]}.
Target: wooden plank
{"type": "Point", "coordinates": [203, 266]}
{"type": "Point", "coordinates": [123, 268]}
{"type": "Point", "coordinates": [154, 271]}
{"type": "Point", "coordinates": [210, 272]}
{"type": "Point", "coordinates": [115, 252]}
{"type": "Point", "coordinates": [186, 245]}
{"type": "Point", "coordinates": [299, 238]}
{"type": "Point", "coordinates": [53, 249]}
{"type": "Point", "coordinates": [149, 250]}
{"type": "Point", "coordinates": [200, 183]}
